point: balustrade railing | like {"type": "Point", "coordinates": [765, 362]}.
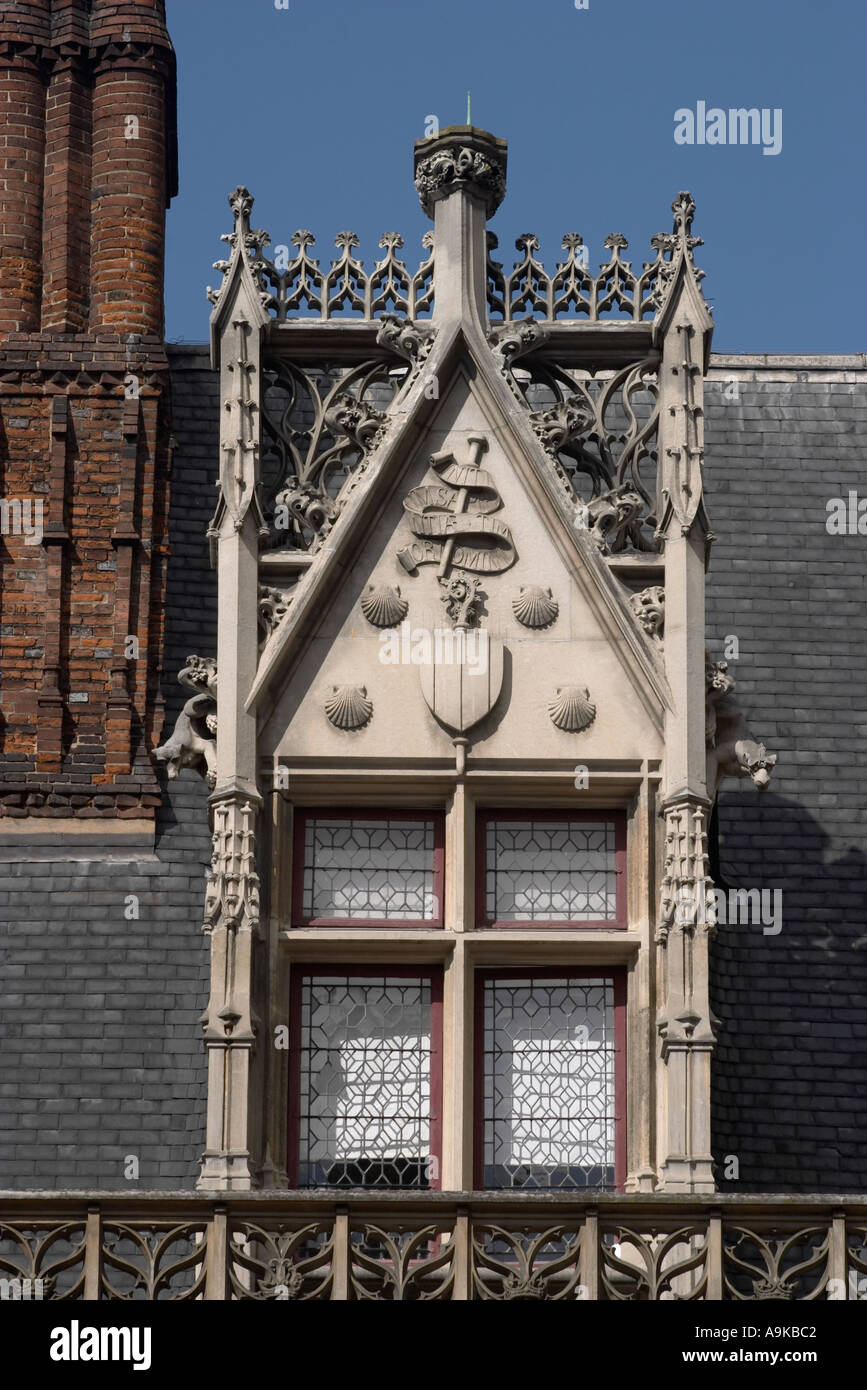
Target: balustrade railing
{"type": "Point", "coordinates": [420, 1246]}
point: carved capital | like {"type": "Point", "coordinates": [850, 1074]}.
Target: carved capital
{"type": "Point", "coordinates": [461, 159]}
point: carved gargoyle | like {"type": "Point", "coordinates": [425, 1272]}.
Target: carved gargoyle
{"type": "Point", "coordinates": [194, 738]}
{"type": "Point", "coordinates": [731, 749]}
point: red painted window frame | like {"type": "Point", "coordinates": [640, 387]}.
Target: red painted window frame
{"type": "Point", "coordinates": [301, 972]}
{"type": "Point", "coordinates": [305, 813]}
{"type": "Point", "coordinates": [618, 976]}
{"type": "Point", "coordinates": [488, 814]}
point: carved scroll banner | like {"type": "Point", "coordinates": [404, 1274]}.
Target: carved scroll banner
{"type": "Point", "coordinates": [452, 522]}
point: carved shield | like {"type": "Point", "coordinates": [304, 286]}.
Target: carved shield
{"type": "Point", "coordinates": [460, 692]}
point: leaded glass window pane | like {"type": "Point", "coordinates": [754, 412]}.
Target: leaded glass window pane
{"type": "Point", "coordinates": [379, 869]}
{"type": "Point", "coordinates": [365, 1088]}
{"type": "Point", "coordinates": [549, 1106]}
{"type": "Point", "coordinates": [551, 871]}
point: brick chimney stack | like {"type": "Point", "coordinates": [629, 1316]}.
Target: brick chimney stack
{"type": "Point", "coordinates": [88, 164]}
{"type": "Point", "coordinates": [25, 37]}
{"type": "Point", "coordinates": [132, 62]}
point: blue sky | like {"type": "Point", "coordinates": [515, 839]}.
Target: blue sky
{"type": "Point", "coordinates": [315, 108]}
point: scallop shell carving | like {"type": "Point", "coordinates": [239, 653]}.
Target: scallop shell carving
{"type": "Point", "coordinates": [535, 606]}
{"type": "Point", "coordinates": [348, 707]}
{"type": "Point", "coordinates": [572, 709]}
{"type": "Point", "coordinates": [383, 606]}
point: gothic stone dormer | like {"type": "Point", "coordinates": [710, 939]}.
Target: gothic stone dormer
{"type": "Point", "coordinates": [461, 730]}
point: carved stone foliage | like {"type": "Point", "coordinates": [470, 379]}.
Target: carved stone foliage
{"type": "Point", "coordinates": [649, 608]}
{"type": "Point", "coordinates": [571, 708]}
{"type": "Point", "coordinates": [535, 607]}
{"type": "Point", "coordinates": [347, 707]}
{"type": "Point", "coordinates": [232, 891]}
{"type": "Point", "coordinates": [286, 1264]}
{"type": "Point", "coordinates": [452, 520]}
{"type": "Point", "coordinates": [193, 740]}
{"type": "Point", "coordinates": [412, 341]}
{"type": "Point", "coordinates": [563, 423]}
{"type": "Point", "coordinates": [320, 427]}
{"type": "Point", "coordinates": [782, 1264]}
{"type": "Point", "coordinates": [461, 166]}
{"type": "Point", "coordinates": [383, 606]}
{"type": "Point", "coordinates": [600, 435]}
{"type": "Point", "coordinates": [732, 750]}
{"type": "Point", "coordinates": [461, 597]}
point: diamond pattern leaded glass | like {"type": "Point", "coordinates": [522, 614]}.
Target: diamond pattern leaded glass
{"type": "Point", "coordinates": [378, 869]}
{"type": "Point", "coordinates": [551, 871]}
{"type": "Point", "coordinates": [549, 1083]}
{"type": "Point", "coordinates": [365, 1112]}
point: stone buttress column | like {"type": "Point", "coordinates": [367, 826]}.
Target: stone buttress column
{"type": "Point", "coordinates": [232, 897]}
{"type": "Point", "coordinates": [685, 922]}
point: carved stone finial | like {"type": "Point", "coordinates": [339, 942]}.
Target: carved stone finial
{"type": "Point", "coordinates": [249, 240]}
{"type": "Point", "coordinates": [461, 158]}
{"type": "Point", "coordinates": [673, 248]}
